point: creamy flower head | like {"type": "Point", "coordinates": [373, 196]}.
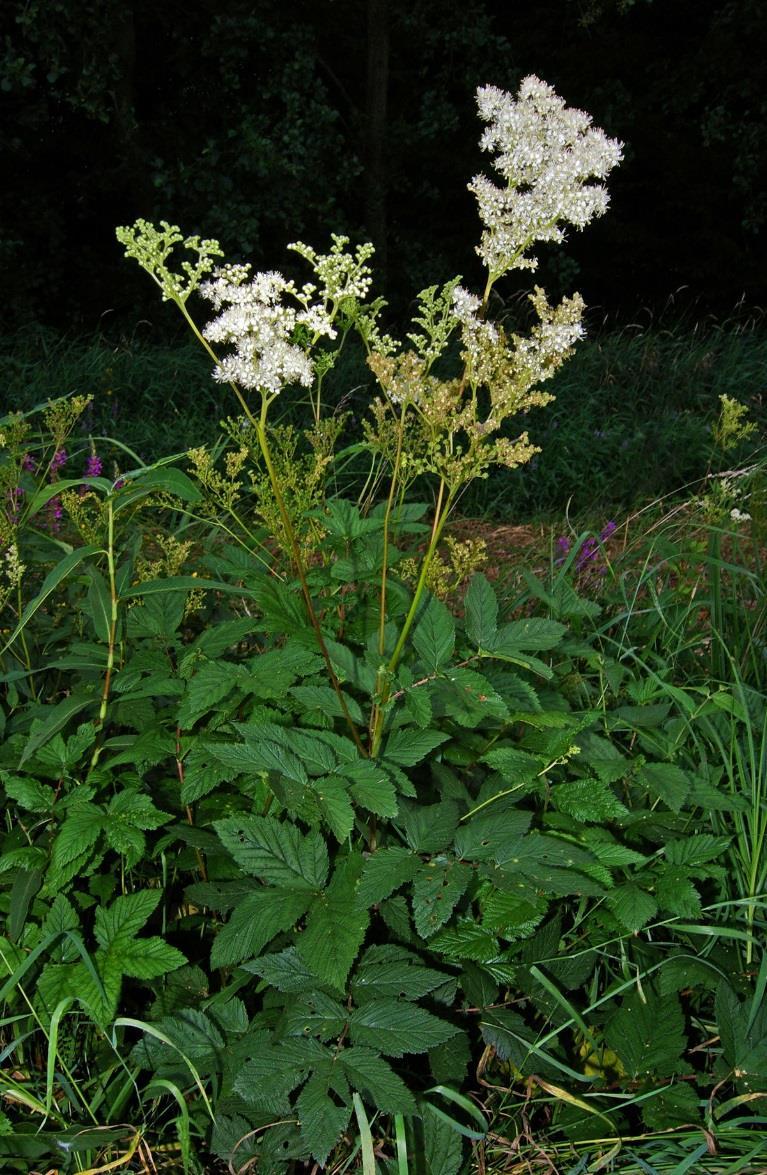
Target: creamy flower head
{"type": "Point", "coordinates": [545, 152]}
{"type": "Point", "coordinates": [260, 325]}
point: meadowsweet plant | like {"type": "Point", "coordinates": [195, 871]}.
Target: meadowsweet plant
{"type": "Point", "coordinates": [449, 428]}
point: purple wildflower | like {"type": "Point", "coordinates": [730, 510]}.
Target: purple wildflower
{"type": "Point", "coordinates": [28, 463]}
{"type": "Point", "coordinates": [93, 466]}
{"type": "Point", "coordinates": [55, 514]}
{"type": "Point", "coordinates": [609, 528]}
{"type": "Point", "coordinates": [58, 460]}
{"type": "Point", "coordinates": [587, 552]}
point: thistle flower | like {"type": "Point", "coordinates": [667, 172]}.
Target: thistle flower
{"type": "Point", "coordinates": [545, 152]}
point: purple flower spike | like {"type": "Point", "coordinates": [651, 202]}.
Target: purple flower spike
{"type": "Point", "coordinates": [58, 460]}
{"type": "Point", "coordinates": [28, 463]}
{"type": "Point", "coordinates": [610, 528]}
{"type": "Point", "coordinates": [55, 514]}
{"type": "Point", "coordinates": [93, 466]}
{"type": "Point", "coordinates": [563, 544]}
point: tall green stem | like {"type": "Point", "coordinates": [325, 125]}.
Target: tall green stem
{"type": "Point", "coordinates": [387, 520]}
{"type": "Point", "coordinates": [263, 442]}
{"type": "Point", "coordinates": [112, 632]}
{"type": "Point", "coordinates": [441, 512]}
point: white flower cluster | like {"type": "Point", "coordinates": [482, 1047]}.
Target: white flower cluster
{"type": "Point", "coordinates": [262, 326]}
{"type": "Point", "coordinates": [476, 334]}
{"type": "Point", "coordinates": [545, 152]}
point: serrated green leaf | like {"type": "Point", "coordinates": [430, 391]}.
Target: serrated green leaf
{"type": "Point", "coordinates": [285, 970]}
{"type": "Point", "coordinates": [146, 958]}
{"type": "Point", "coordinates": [468, 698]}
{"type": "Point", "coordinates": [511, 916]}
{"type": "Point", "coordinates": [121, 922]}
{"type": "Point", "coordinates": [492, 834]}
{"type": "Point", "coordinates": [442, 1145]}
{"type": "Point", "coordinates": [632, 906]}
{"type": "Point", "coordinates": [588, 801]}
{"type": "Point", "coordinates": [434, 635]}
{"type": "Point", "coordinates": [514, 765]}
{"type": "Point", "coordinates": [466, 940]}
{"type": "Point", "coordinates": [390, 971]}
{"type": "Point", "coordinates": [406, 747]}
{"type": "Point", "coordinates": [351, 668]}
{"type": "Point", "coordinates": [335, 927]}
{"type": "Point", "coordinates": [56, 718]}
{"type": "Point", "coordinates": [371, 787]}
{"type": "Point", "coordinates": [481, 608]}
{"type": "Point", "coordinates": [133, 808]}
{"type": "Point", "coordinates": [743, 1033]}
{"type": "Point", "coordinates": [647, 1033]}
{"type": "Point", "coordinates": [417, 702]}
{"type": "Point", "coordinates": [275, 850]}
{"type": "Point", "coordinates": [78, 833]}
{"type": "Point", "coordinates": [383, 872]}
{"type": "Point", "coordinates": [395, 1028]}
{"type": "Point", "coordinates": [251, 758]}
{"type": "Point", "coordinates": [315, 754]}
{"type": "Point", "coordinates": [430, 828]}
{"type": "Point", "coordinates": [696, 850]}
{"type": "Point", "coordinates": [321, 1120]}
{"type": "Point", "coordinates": [28, 793]}
{"type": "Point", "coordinates": [201, 778]}
{"type": "Point", "coordinates": [368, 1073]}
{"type": "Point", "coordinates": [437, 888]}
{"type": "Point", "coordinates": [100, 992]}
{"type": "Point", "coordinates": [336, 806]}
{"type": "Point", "coordinates": [325, 699]}
{"type": "Point", "coordinates": [314, 1013]}
{"type": "Point", "coordinates": [272, 1072]}
{"type": "Point", "coordinates": [210, 685]}
{"type": "Point", "coordinates": [127, 840]}
{"type": "Point", "coordinates": [256, 921]}
{"type": "Point", "coordinates": [666, 781]}
{"type": "Point", "coordinates": [676, 893]}
{"type": "Point", "coordinates": [535, 634]}
{"type": "Point", "coordinates": [506, 1032]}
{"type": "Point", "coordinates": [676, 1105]}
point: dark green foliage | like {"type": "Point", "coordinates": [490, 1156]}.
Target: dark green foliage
{"type": "Point", "coordinates": [204, 870]}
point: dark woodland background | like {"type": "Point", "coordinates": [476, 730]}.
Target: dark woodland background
{"type": "Point", "coordinates": [264, 121]}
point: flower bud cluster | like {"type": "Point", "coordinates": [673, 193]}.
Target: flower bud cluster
{"type": "Point", "coordinates": [151, 247]}
{"type": "Point", "coordinates": [342, 275]}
